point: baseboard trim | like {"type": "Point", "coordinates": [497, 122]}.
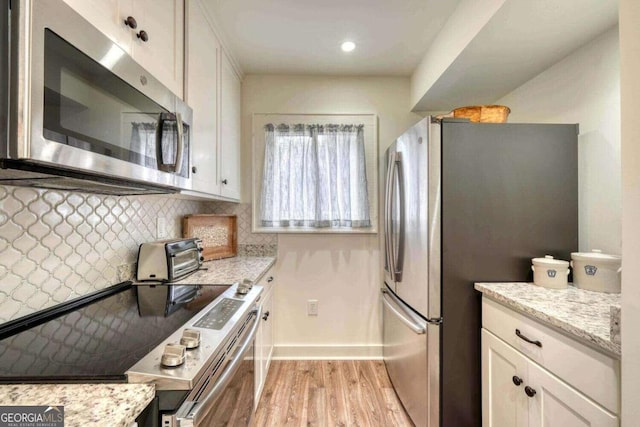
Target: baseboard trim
{"type": "Point", "coordinates": [327, 352]}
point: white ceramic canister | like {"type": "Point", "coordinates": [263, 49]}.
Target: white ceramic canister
{"type": "Point", "coordinates": [595, 271]}
{"type": "Point", "coordinates": [549, 272]}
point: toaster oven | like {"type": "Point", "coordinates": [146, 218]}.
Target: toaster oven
{"type": "Point", "coordinates": [168, 260]}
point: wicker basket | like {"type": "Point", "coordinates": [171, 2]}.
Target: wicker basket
{"type": "Point", "coordinates": [483, 113]}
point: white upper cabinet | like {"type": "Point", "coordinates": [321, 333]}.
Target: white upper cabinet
{"type": "Point", "coordinates": [163, 52]}
{"type": "Point", "coordinates": [160, 22]}
{"type": "Point", "coordinates": [230, 95]}
{"type": "Point", "coordinates": [201, 93]}
{"type": "Point", "coordinates": [213, 91]}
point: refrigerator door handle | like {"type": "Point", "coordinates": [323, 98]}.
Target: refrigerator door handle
{"type": "Point", "coordinates": [410, 323]}
{"type": "Point", "coordinates": [398, 261]}
{"type": "Point", "coordinates": [387, 215]}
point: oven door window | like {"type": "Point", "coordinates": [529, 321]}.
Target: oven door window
{"type": "Point", "coordinates": [88, 107]}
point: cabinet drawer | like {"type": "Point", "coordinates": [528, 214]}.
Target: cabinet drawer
{"type": "Point", "coordinates": [267, 280]}
{"type": "Point", "coordinates": [593, 373]}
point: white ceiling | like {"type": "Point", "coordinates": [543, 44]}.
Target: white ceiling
{"type": "Point", "coordinates": [304, 36]}
{"type": "Point", "coordinates": [524, 38]}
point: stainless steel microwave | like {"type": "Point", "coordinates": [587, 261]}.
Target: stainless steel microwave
{"type": "Point", "coordinates": [79, 113]}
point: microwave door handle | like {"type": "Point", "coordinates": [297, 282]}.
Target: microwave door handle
{"type": "Point", "coordinates": [387, 214]}
{"type": "Point", "coordinates": [178, 165]}
{"type": "Point", "coordinates": [200, 408]}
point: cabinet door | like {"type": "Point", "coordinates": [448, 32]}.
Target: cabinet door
{"type": "Point", "coordinates": [504, 403]}
{"type": "Point", "coordinates": [163, 53]}
{"type": "Point", "coordinates": [230, 94]}
{"type": "Point", "coordinates": [267, 343]}
{"type": "Point", "coordinates": [264, 337]}
{"type": "Point", "coordinates": [203, 59]}
{"type": "Point", "coordinates": [556, 404]}
{"type": "Point", "coordinates": [108, 16]}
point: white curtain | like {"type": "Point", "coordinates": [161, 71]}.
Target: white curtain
{"type": "Point", "coordinates": [314, 176]}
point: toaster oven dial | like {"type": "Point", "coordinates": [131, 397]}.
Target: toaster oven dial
{"type": "Point", "coordinates": [173, 355]}
{"type": "Point", "coordinates": [190, 339]}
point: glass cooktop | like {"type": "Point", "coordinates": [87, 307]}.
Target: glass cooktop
{"type": "Point", "coordinates": [98, 342]}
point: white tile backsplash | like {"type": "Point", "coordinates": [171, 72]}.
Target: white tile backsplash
{"type": "Point", "coordinates": [243, 211]}
{"type": "Point", "coordinates": [56, 245]}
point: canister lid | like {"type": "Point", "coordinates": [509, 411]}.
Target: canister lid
{"type": "Point", "coordinates": [549, 261]}
{"type": "Point", "coordinates": [596, 255]}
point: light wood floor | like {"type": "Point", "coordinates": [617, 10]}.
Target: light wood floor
{"type": "Point", "coordinates": [329, 393]}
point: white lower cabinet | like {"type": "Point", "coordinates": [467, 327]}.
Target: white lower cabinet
{"type": "Point", "coordinates": [264, 336]}
{"type": "Point", "coordinates": [504, 402]}
{"type": "Point", "coordinates": [517, 391]}
{"type": "Point", "coordinates": [557, 404]}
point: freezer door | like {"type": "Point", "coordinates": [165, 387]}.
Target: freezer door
{"type": "Point", "coordinates": [414, 185]}
{"type": "Point", "coordinates": [412, 357]}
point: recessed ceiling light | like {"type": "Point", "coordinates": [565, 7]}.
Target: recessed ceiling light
{"type": "Point", "coordinates": [348, 46]}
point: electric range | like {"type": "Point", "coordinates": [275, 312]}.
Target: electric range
{"type": "Point", "coordinates": [103, 338]}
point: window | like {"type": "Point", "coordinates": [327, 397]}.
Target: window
{"type": "Point", "coordinates": [315, 173]}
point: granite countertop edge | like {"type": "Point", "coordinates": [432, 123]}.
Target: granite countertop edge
{"type": "Point", "coordinates": [226, 271]}
{"type": "Point", "coordinates": [573, 329]}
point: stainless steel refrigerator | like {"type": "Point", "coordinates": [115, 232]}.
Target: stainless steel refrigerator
{"type": "Point", "coordinates": [465, 202]}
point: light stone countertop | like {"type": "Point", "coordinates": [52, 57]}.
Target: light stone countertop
{"type": "Point", "coordinates": [227, 271]}
{"type": "Point", "coordinates": [99, 405]}
{"type": "Point", "coordinates": [585, 315]}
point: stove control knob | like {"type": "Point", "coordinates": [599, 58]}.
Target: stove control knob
{"type": "Point", "coordinates": [190, 339]}
{"type": "Point", "coordinates": [173, 355]}
{"type": "Point", "coordinates": [244, 287]}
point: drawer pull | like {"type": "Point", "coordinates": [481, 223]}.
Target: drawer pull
{"type": "Point", "coordinates": [529, 391]}
{"type": "Point", "coordinates": [270, 279]}
{"type": "Point", "coordinates": [530, 341]}
{"type": "Point", "coordinates": [516, 380]}
{"type": "Point", "coordinates": [265, 316]}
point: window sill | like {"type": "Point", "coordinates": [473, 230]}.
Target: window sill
{"type": "Point", "coordinates": [303, 230]}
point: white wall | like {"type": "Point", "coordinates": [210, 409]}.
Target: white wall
{"type": "Point", "coordinates": [584, 88]}
{"type": "Point", "coordinates": [630, 102]}
{"type": "Point", "coordinates": [466, 21]}
{"type": "Point", "coordinates": [341, 272]}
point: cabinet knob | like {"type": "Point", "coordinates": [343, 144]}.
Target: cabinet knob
{"type": "Point", "coordinates": [265, 316]}
{"type": "Point", "coordinates": [516, 380]}
{"type": "Point", "coordinates": [194, 169]}
{"type": "Point", "coordinates": [270, 279]}
{"type": "Point", "coordinates": [530, 392]}
{"type": "Point", "coordinates": [224, 181]}
{"type": "Point", "coordinates": [142, 35]}
{"type": "Point", "coordinates": [131, 22]}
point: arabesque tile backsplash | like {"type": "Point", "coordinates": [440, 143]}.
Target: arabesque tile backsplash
{"type": "Point", "coordinates": [56, 246]}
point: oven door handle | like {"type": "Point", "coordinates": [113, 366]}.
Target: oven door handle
{"type": "Point", "coordinates": [200, 408]}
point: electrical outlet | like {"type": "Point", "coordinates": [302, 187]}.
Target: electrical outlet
{"type": "Point", "coordinates": [312, 307]}
{"type": "Point", "coordinates": [161, 228]}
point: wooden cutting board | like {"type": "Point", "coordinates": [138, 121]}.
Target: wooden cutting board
{"type": "Point", "coordinates": [219, 234]}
